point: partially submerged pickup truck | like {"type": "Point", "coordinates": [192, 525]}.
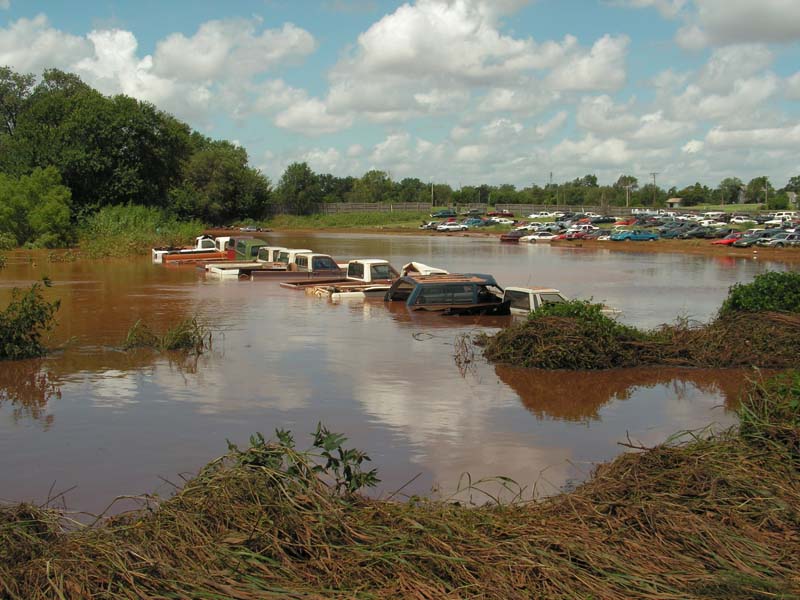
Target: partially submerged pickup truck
{"type": "Point", "coordinates": [360, 277]}
{"type": "Point", "coordinates": [524, 300]}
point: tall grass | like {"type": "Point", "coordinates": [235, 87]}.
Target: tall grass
{"type": "Point", "coordinates": [132, 229]}
{"type": "Point", "coordinates": [188, 335]}
{"type": "Point", "coordinates": [398, 219]}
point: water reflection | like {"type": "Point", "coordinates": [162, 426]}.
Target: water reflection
{"type": "Point", "coordinates": [580, 396]}
{"type": "Point", "coordinates": [28, 386]}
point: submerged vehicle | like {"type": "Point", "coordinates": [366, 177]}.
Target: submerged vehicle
{"type": "Point", "coordinates": [205, 247]}
{"type": "Point", "coordinates": [359, 278]}
{"type": "Point", "coordinates": [247, 249]}
{"type": "Point", "coordinates": [452, 294]}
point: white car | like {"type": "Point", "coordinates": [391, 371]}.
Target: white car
{"type": "Point", "coordinates": [539, 236]}
{"type": "Point", "coordinates": [451, 227]}
{"type": "Point", "coordinates": [738, 220]}
{"type": "Point", "coordinates": [502, 221]}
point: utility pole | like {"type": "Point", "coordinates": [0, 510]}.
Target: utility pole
{"type": "Point", "coordinates": [654, 186]}
{"type": "Point", "coordinates": [628, 194]}
{"type": "Point", "coordinates": [432, 202]}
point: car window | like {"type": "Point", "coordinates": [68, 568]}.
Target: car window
{"type": "Point", "coordinates": [355, 270]}
{"type": "Point", "coordinates": [381, 272]}
{"type": "Point", "coordinates": [551, 298]}
{"type": "Point", "coordinates": [323, 263]}
{"type": "Point", "coordinates": [519, 299]}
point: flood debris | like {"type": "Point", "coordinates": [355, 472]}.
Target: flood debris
{"type": "Point", "coordinates": [752, 329]}
{"type": "Point", "coordinates": [706, 517]}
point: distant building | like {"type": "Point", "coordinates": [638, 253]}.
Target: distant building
{"type": "Point", "coordinates": [792, 198]}
{"type": "Point", "coordinates": [674, 202]}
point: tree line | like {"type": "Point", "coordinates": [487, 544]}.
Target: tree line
{"type": "Point", "coordinates": [67, 151]}
{"type": "Point", "coordinates": [300, 190]}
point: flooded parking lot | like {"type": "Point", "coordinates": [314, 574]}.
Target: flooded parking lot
{"type": "Point", "coordinates": [100, 422]}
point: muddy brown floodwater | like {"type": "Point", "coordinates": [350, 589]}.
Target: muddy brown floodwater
{"type": "Point", "coordinates": [101, 423]}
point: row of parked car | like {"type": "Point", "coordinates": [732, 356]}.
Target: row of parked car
{"type": "Point", "coordinates": [722, 229]}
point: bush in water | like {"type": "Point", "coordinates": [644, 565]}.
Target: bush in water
{"type": "Point", "coordinates": [24, 322]}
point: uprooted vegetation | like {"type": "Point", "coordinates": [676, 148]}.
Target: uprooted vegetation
{"type": "Point", "coordinates": [758, 325]}
{"type": "Point", "coordinates": [189, 335]}
{"type": "Point", "coordinates": [715, 517]}
{"type": "Point", "coordinates": [25, 321]}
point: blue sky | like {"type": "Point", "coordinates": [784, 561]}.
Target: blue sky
{"type": "Point", "coordinates": [458, 91]}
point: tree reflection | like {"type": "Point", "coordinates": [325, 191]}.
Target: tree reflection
{"type": "Point", "coordinates": [579, 395]}
{"type": "Point", "coordinates": [28, 386]}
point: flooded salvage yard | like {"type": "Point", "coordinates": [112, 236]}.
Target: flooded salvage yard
{"type": "Point", "coordinates": [98, 422]}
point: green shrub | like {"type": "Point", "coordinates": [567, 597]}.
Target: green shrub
{"type": "Point", "coordinates": [772, 291]}
{"type": "Point", "coordinates": [24, 322]}
{"type": "Point", "coordinates": [7, 241]}
{"type": "Point", "coordinates": [35, 210]}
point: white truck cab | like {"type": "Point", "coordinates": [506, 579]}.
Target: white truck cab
{"type": "Point", "coordinates": [526, 300]}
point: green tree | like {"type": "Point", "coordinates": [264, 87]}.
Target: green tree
{"type": "Point", "coordinates": [108, 150]}
{"type": "Point", "coordinates": [793, 185]}
{"type": "Point", "coordinates": [15, 89]}
{"type": "Point", "coordinates": [335, 189]}
{"type": "Point", "coordinates": [298, 189]}
{"type": "Point", "coordinates": [627, 180]}
{"type": "Point", "coordinates": [411, 189]}
{"type": "Point", "coordinates": [219, 186]}
{"type": "Point", "coordinates": [729, 189]}
{"type": "Point", "coordinates": [759, 189]}
{"type": "Point", "coordinates": [374, 186]}
{"type": "Point", "coordinates": [694, 194]}
{"type": "Point", "coordinates": [35, 209]}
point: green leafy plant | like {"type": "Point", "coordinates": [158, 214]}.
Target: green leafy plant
{"type": "Point", "coordinates": [7, 241]}
{"type": "Point", "coordinates": [25, 321]}
{"type": "Point", "coordinates": [772, 291]}
{"type": "Point", "coordinates": [327, 458]}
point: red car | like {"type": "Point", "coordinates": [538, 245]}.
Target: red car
{"type": "Point", "coordinates": [575, 235]}
{"type": "Point", "coordinates": [500, 213]}
{"type": "Point", "coordinates": [727, 240]}
{"type": "Point", "coordinates": [630, 221]}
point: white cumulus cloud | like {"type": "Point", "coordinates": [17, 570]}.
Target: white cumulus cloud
{"type": "Point", "coordinates": [603, 68]}
{"type": "Point", "coordinates": [721, 22]}
{"type": "Point", "coordinates": [230, 49]}
{"type": "Point", "coordinates": [32, 45]}
{"type": "Point", "coordinates": [311, 117]}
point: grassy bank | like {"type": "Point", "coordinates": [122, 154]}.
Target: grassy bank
{"type": "Point", "coordinates": [366, 220]}
{"type": "Point", "coordinates": [131, 230]}
{"type": "Point", "coordinates": [757, 325]}
{"type": "Point", "coordinates": [716, 517]}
